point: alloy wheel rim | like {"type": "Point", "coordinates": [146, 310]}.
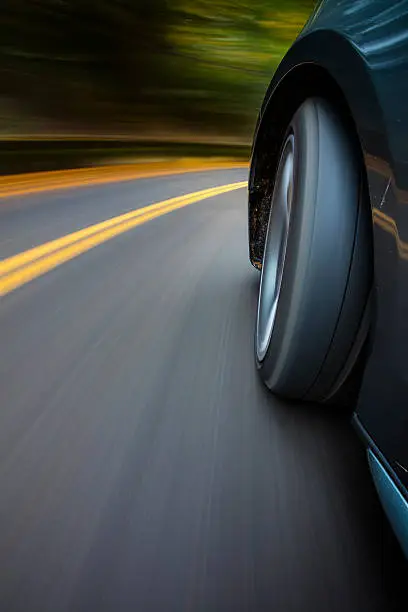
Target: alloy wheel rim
{"type": "Point", "coordinates": [275, 248]}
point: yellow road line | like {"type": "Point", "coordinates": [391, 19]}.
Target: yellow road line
{"type": "Point", "coordinates": [35, 182]}
{"type": "Point", "coordinates": [24, 267]}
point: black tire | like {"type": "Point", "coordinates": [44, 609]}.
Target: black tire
{"type": "Point", "coordinates": [323, 296]}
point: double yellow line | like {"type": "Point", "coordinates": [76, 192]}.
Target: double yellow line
{"type": "Point", "coordinates": [24, 267]}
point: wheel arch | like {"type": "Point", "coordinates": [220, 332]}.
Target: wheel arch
{"type": "Point", "coordinates": [320, 64]}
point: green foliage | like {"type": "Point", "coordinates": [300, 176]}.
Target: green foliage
{"type": "Point", "coordinates": [142, 66]}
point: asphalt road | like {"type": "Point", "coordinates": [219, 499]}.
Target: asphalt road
{"type": "Point", "coordinates": [143, 466]}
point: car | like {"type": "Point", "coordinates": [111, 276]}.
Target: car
{"type": "Point", "coordinates": [328, 229]}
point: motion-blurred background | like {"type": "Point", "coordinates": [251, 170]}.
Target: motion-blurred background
{"type": "Point", "coordinates": [165, 76]}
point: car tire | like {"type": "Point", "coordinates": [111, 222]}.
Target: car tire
{"type": "Point", "coordinates": [317, 265]}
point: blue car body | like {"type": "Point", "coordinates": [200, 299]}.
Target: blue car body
{"type": "Point", "coordinates": [355, 53]}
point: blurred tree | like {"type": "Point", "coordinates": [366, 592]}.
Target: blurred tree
{"type": "Point", "coordinates": [143, 65]}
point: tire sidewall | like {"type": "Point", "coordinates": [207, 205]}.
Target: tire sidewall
{"type": "Point", "coordinates": [307, 310]}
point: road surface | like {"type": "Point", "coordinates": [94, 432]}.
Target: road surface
{"type": "Point", "coordinates": [143, 466]}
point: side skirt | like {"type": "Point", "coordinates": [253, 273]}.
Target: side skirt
{"type": "Point", "coordinates": [392, 493]}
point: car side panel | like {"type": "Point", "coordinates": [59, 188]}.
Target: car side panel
{"type": "Point", "coordinates": [363, 45]}
{"type": "Point", "coordinates": [379, 31]}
